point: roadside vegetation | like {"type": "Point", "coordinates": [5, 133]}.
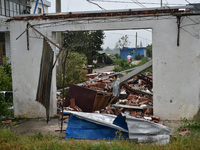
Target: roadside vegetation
{"type": "Point", "coordinates": [123, 64]}
{"type": "Point", "coordinates": [5, 85]}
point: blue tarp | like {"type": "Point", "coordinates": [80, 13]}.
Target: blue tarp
{"type": "Point", "coordinates": [83, 125]}
{"type": "Point", "coordinates": [81, 128]}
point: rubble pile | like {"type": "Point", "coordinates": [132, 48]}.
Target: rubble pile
{"type": "Point", "coordinates": [135, 96]}
{"type": "Point", "coordinates": [99, 81]}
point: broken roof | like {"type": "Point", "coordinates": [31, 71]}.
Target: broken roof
{"type": "Point", "coordinates": [107, 13]}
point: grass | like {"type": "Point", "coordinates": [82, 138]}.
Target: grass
{"type": "Point", "coordinates": [10, 140]}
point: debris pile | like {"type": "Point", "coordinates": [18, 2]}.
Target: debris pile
{"type": "Point", "coordinates": [135, 96]}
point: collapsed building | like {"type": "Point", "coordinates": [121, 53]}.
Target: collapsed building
{"type": "Point", "coordinates": [175, 34]}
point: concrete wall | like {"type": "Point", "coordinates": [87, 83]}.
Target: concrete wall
{"type": "Point", "coordinates": [176, 68]}
{"type": "Point", "coordinates": [25, 69]}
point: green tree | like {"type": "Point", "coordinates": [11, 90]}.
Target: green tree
{"type": "Point", "coordinates": [149, 50]}
{"type": "Point", "coordinates": [86, 42]}
{"type": "Point", "coordinates": [5, 85]}
{"type": "Point", "coordinates": [73, 68]}
{"type": "Point", "coordinates": [123, 41]}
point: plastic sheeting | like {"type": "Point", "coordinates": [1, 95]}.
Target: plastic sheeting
{"type": "Point", "coordinates": [105, 126]}
{"type": "Point", "coordinates": [93, 126]}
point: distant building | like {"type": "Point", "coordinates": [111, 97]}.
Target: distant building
{"type": "Point", "coordinates": [125, 51]}
{"type": "Point", "coordinates": [39, 9]}
{"type": "Point", "coordinates": [8, 9]}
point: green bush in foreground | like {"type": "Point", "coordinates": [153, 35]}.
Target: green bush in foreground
{"type": "Point", "coordinates": [10, 140]}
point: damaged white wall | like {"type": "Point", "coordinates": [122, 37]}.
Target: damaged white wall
{"type": "Point", "coordinates": [176, 69]}
{"type": "Point", "coordinates": [25, 73]}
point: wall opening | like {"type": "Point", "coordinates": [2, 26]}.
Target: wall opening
{"type": "Point", "coordinates": [96, 47]}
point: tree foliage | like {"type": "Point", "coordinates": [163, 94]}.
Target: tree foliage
{"type": "Point", "coordinates": [5, 77]}
{"type": "Point", "coordinates": [123, 41]}
{"type": "Point", "coordinates": [149, 50]}
{"type": "Point", "coordinates": [73, 68]}
{"type": "Point", "coordinates": [5, 85]}
{"type": "Point", "coordinates": [86, 42]}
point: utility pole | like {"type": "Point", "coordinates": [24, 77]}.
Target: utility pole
{"type": "Point", "coordinates": [58, 6]}
{"type": "Point", "coordinates": [58, 10]}
{"type": "Point", "coordinates": [136, 44]}
{"type": "Point", "coordinates": [161, 3]}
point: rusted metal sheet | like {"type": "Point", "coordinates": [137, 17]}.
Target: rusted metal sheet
{"type": "Point", "coordinates": [101, 101]}
{"type": "Point", "coordinates": [87, 100]}
{"type": "Point", "coordinates": [44, 85]}
{"type": "Point", "coordinates": [84, 98]}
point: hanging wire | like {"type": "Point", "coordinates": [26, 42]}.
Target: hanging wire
{"type": "Point", "coordinates": [96, 4]}
{"type": "Point", "coordinates": [149, 3]}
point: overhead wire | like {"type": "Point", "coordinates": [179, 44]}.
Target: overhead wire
{"type": "Point", "coordinates": [138, 3]}
{"type": "Point", "coordinates": [131, 35]}
{"type": "Point", "coordinates": [193, 5]}
{"type": "Point", "coordinates": [149, 3]}
{"type": "Point", "coordinates": [95, 4]}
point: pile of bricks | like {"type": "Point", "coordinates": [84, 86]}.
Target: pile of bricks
{"type": "Point", "coordinates": [135, 96]}
{"type": "Point", "coordinates": [99, 81]}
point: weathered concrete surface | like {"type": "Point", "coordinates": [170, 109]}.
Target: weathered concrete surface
{"type": "Point", "coordinates": [25, 73]}
{"type": "Point", "coordinates": [40, 126]}
{"type": "Point", "coordinates": [176, 68]}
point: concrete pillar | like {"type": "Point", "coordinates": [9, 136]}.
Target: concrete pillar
{"type": "Point", "coordinates": [58, 5]}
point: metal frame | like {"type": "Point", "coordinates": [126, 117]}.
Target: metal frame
{"type": "Point", "coordinates": [36, 6]}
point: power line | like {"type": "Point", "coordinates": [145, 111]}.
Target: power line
{"type": "Point", "coordinates": [192, 4]}
{"type": "Point", "coordinates": [138, 3]}
{"type": "Point", "coordinates": [131, 35]}
{"type": "Point", "coordinates": [95, 4]}
{"type": "Point", "coordinates": [149, 3]}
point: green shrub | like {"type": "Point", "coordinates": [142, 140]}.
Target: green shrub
{"type": "Point", "coordinates": [5, 79]}
{"type": "Point", "coordinates": [193, 125]}
{"type": "Point", "coordinates": [139, 57]}
{"type": "Point", "coordinates": [5, 85]}
{"type": "Point", "coordinates": [73, 70]}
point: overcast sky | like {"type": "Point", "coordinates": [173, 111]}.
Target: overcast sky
{"type": "Point", "coordinates": [111, 37]}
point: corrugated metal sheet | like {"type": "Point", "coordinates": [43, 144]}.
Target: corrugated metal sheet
{"type": "Point", "coordinates": [44, 85]}
{"type": "Point", "coordinates": [139, 129]}
{"type": "Point", "coordinates": [144, 130]}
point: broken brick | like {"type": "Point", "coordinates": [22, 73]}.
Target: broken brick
{"type": "Point", "coordinates": [133, 113]}
{"type": "Point", "coordinates": [72, 102]}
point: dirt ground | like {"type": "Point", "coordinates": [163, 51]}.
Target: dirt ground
{"type": "Point", "coordinates": [32, 126]}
